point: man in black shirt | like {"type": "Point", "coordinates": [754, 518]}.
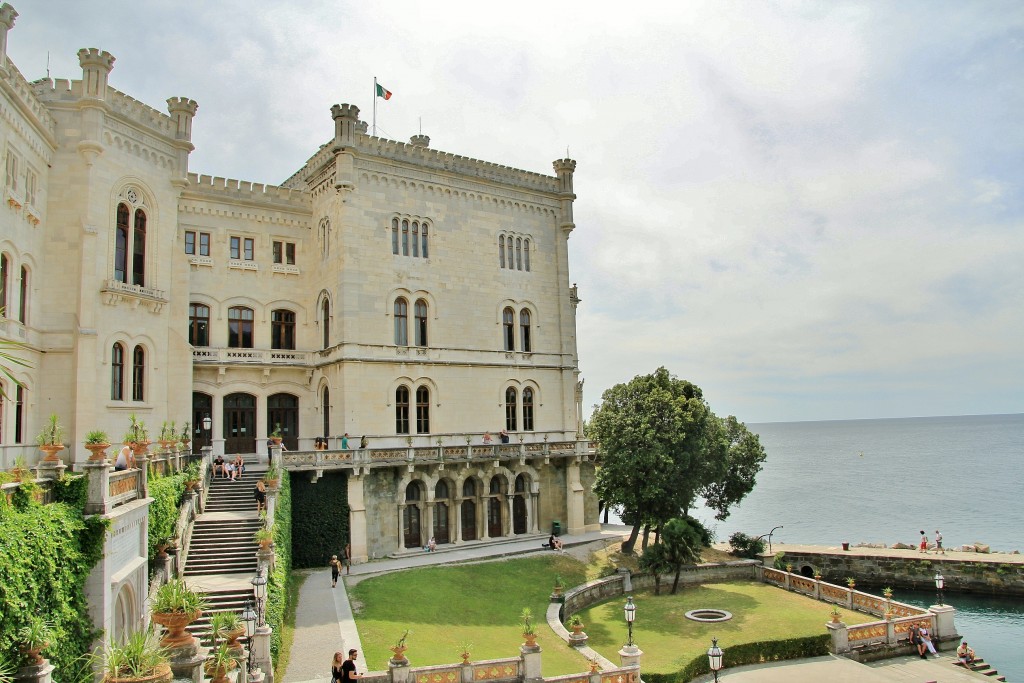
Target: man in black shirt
{"type": "Point", "coordinates": [348, 669]}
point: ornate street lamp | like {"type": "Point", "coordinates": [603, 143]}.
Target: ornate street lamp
{"type": "Point", "coordinates": [940, 583]}
{"type": "Point", "coordinates": [249, 617]}
{"type": "Point", "coordinates": [715, 658]}
{"type": "Point", "coordinates": [630, 610]}
{"type": "Point", "coordinates": [259, 591]}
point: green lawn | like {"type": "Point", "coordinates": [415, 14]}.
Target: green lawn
{"type": "Point", "coordinates": [669, 640]}
{"type": "Point", "coordinates": [444, 607]}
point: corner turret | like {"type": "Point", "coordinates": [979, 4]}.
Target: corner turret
{"type": "Point", "coordinates": [420, 140]}
{"type": "Point", "coordinates": [96, 66]}
{"type": "Point", "coordinates": [564, 168]}
{"type": "Point", "coordinates": [346, 116]}
{"type": "Point", "coordinates": [182, 110]}
{"type": "Point", "coordinates": [7, 17]}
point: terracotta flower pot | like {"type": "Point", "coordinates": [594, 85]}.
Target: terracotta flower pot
{"type": "Point", "coordinates": [531, 639]}
{"type": "Point", "coordinates": [218, 674]}
{"type": "Point", "coordinates": [231, 638]}
{"type": "Point", "coordinates": [51, 451]}
{"type": "Point", "coordinates": [276, 440]}
{"type": "Point", "coordinates": [98, 450]}
{"type": "Point", "coordinates": [576, 630]}
{"type": "Point", "coordinates": [165, 444]}
{"type": "Point", "coordinates": [399, 653]}
{"type": "Point", "coordinates": [162, 674]}
{"type": "Point", "coordinates": [140, 447]}
{"type": "Point", "coordinates": [33, 654]}
{"type": "Point", "coordinates": [175, 623]}
{"type": "Point", "coordinates": [465, 658]}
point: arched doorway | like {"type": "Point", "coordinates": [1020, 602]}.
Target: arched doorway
{"type": "Point", "coordinates": [202, 407]}
{"type": "Point", "coordinates": [124, 614]}
{"type": "Point", "coordinates": [283, 409]}
{"type": "Point", "coordinates": [519, 506]}
{"type": "Point", "coordinates": [239, 423]}
{"type": "Point", "coordinates": [494, 525]}
{"type": "Point", "coordinates": [411, 516]}
{"type": "Point", "coordinates": [441, 510]}
{"type": "Point", "coordinates": [468, 510]}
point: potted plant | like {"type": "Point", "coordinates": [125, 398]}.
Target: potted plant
{"type": "Point", "coordinates": [137, 437]}
{"type": "Point", "coordinates": [33, 638]}
{"type": "Point", "coordinates": [272, 476]}
{"type": "Point", "coordinates": [51, 439]}
{"type": "Point", "coordinates": [175, 606]}
{"type": "Point", "coordinates": [167, 435]}
{"type": "Point", "coordinates": [229, 627]}
{"type": "Point", "coordinates": [220, 662]}
{"type": "Point", "coordinates": [162, 544]}
{"type": "Point", "coordinates": [6, 670]}
{"type": "Point", "coordinates": [264, 536]}
{"type": "Point", "coordinates": [185, 438]}
{"type": "Point", "coordinates": [835, 614]}
{"type": "Point", "coordinates": [576, 624]}
{"type": "Point", "coordinates": [464, 649]}
{"type": "Point", "coordinates": [887, 592]}
{"type": "Point", "coordinates": [529, 635]}
{"type": "Point", "coordinates": [138, 658]}
{"type": "Point", "coordinates": [97, 442]}
{"type": "Point", "coordinates": [789, 567]}
{"type": "Point", "coordinates": [277, 435]}
{"type": "Point", "coordinates": [559, 585]}
{"type": "Point", "coordinates": [851, 582]}
{"type": "Point", "coordinates": [192, 476]}
{"type": "Point", "coordinates": [21, 471]}
{"type": "Point", "coordinates": [817, 576]}
{"type": "Point", "coordinates": [400, 648]}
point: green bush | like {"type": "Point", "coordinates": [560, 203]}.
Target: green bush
{"type": "Point", "coordinates": [749, 547]}
{"type": "Point", "coordinates": [63, 547]}
{"type": "Point", "coordinates": [319, 519]}
{"type": "Point", "coordinates": [166, 493]}
{"type": "Point", "coordinates": [749, 653]}
{"type": "Point", "coordinates": [279, 581]}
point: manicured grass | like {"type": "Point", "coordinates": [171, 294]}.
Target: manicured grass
{"type": "Point", "coordinates": [669, 640]}
{"type": "Point", "coordinates": [288, 628]}
{"type": "Point", "coordinates": [444, 607]}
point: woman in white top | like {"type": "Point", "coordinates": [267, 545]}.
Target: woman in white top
{"type": "Point", "coordinates": [124, 459]}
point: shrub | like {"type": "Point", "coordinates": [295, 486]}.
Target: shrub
{"type": "Point", "coordinates": [746, 546]}
{"type": "Point", "coordinates": [749, 653]}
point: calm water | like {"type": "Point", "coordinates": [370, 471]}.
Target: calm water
{"type": "Point", "coordinates": [885, 480]}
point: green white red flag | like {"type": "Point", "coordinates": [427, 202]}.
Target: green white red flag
{"type": "Point", "coordinates": [383, 92]}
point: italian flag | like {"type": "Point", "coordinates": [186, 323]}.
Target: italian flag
{"type": "Point", "coordinates": [383, 92]}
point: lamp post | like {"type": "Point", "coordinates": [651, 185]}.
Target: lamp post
{"type": "Point", "coordinates": [940, 583]}
{"type": "Point", "coordinates": [630, 610]}
{"type": "Point", "coordinates": [249, 617]}
{"type": "Point", "coordinates": [715, 658]}
{"type": "Point", "coordinates": [208, 427]}
{"type": "Point", "coordinates": [770, 537]}
{"type": "Point", "coordinates": [259, 592]}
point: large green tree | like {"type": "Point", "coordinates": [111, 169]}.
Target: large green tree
{"type": "Point", "coordinates": [662, 448]}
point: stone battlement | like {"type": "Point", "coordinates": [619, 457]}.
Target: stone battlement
{"type": "Point", "coordinates": [246, 189]}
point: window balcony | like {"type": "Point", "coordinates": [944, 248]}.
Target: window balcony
{"type": "Point", "coordinates": [116, 292]}
{"type": "Point", "coordinates": [208, 355]}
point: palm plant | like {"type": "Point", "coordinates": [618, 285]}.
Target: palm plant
{"type": "Point", "coordinates": [176, 596]}
{"type": "Point", "coordinates": [139, 656]}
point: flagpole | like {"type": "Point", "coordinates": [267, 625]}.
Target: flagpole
{"type": "Point", "coordinates": [374, 106]}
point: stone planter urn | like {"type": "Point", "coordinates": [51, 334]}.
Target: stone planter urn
{"type": "Point", "coordinates": [51, 451]}
{"type": "Point", "coordinates": [399, 654]}
{"type": "Point", "coordinates": [531, 639]}
{"type": "Point", "coordinates": [218, 673]}
{"type": "Point", "coordinates": [175, 623]}
{"type": "Point", "coordinates": [162, 674]}
{"type": "Point", "coordinates": [140, 447]}
{"type": "Point", "coordinates": [98, 450]}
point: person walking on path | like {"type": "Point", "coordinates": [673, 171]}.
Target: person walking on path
{"type": "Point", "coordinates": [924, 543]}
{"type": "Point", "coordinates": [348, 558]}
{"type": "Point", "coordinates": [337, 664]}
{"type": "Point", "coordinates": [260, 493]}
{"type": "Point", "coordinates": [348, 669]}
{"type": "Point", "coordinates": [938, 543]}
{"type": "Point", "coordinates": [335, 570]}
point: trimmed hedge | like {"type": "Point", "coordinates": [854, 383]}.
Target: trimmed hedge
{"type": "Point", "coordinates": [279, 581]}
{"type": "Point", "coordinates": [749, 653]}
{"type": "Point", "coordinates": [167, 493]}
{"type": "Point", "coordinates": [319, 519]}
{"type": "Point", "coordinates": [46, 554]}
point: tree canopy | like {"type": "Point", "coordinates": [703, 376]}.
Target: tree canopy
{"type": "Point", "coordinates": [662, 447]}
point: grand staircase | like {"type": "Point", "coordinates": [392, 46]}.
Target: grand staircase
{"type": "Point", "coordinates": [222, 554]}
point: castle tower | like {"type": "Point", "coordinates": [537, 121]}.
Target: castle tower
{"type": "Point", "coordinates": [420, 140]}
{"type": "Point", "coordinates": [564, 168]}
{"type": "Point", "coordinates": [182, 110]}
{"type": "Point", "coordinates": [346, 119]}
{"type": "Point", "coordinates": [7, 17]}
{"type": "Point", "coordinates": [96, 66]}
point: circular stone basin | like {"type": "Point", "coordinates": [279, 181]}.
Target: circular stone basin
{"type": "Point", "coordinates": [709, 616]}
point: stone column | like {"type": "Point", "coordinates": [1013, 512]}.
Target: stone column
{"type": "Point", "coordinates": [50, 470]}
{"type": "Point", "coordinates": [274, 456]}
{"type": "Point", "coordinates": [574, 499]}
{"type": "Point", "coordinates": [945, 628]}
{"type": "Point", "coordinates": [99, 483]}
{"type": "Point", "coordinates": [458, 521]}
{"type": "Point", "coordinates": [428, 516]}
{"type": "Point", "coordinates": [187, 661]}
{"type": "Point", "coordinates": [36, 673]}
{"type": "Point", "coordinates": [630, 655]}
{"type": "Point", "coordinates": [261, 652]}
{"type": "Point", "coordinates": [7, 17]}
{"type": "Point", "coordinates": [400, 529]}
{"type": "Point", "coordinates": [357, 519]}
{"type": "Point", "coordinates": [271, 504]}
{"type": "Point", "coordinates": [399, 670]}
{"type": "Point", "coordinates": [627, 579]}
{"type": "Point", "coordinates": [141, 462]}
{"type": "Point", "coordinates": [531, 662]}
{"type": "Point", "coordinates": [840, 637]}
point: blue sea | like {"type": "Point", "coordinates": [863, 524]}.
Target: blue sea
{"type": "Point", "coordinates": [885, 480]}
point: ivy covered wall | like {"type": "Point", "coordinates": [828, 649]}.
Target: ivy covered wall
{"type": "Point", "coordinates": [279, 581]}
{"type": "Point", "coordinates": [319, 518]}
{"type": "Point", "coordinates": [166, 492]}
{"type": "Point", "coordinates": [46, 554]}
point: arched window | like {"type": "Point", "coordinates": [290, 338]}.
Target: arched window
{"type": "Point", "coordinates": [23, 297]}
{"type": "Point", "coordinates": [524, 331]}
{"type": "Point", "coordinates": [117, 372]}
{"type": "Point", "coordinates": [468, 489]}
{"type": "Point", "coordinates": [139, 374]}
{"type": "Point", "coordinates": [402, 410]}
{"type": "Point", "coordinates": [325, 408]}
{"type": "Point", "coordinates": [3, 285]}
{"type": "Point", "coordinates": [325, 314]}
{"type": "Point", "coordinates": [325, 237]}
{"type": "Point", "coordinates": [394, 236]}
{"type": "Point", "coordinates": [527, 409]}
{"type": "Point", "coordinates": [501, 251]}
{"type": "Point", "coordinates": [519, 253]}
{"type": "Point", "coordinates": [139, 249]}
{"type": "Point", "coordinates": [526, 254]}
{"type": "Point", "coordinates": [422, 410]}
{"type": "Point", "coordinates": [19, 413]}
{"type": "Point", "coordinates": [423, 241]}
{"type": "Point", "coordinates": [405, 238]}
{"type": "Point", "coordinates": [495, 486]}
{"type": "Point", "coordinates": [401, 322]}
{"type": "Point", "coordinates": [415, 238]}
{"type": "Point", "coordinates": [420, 312]}
{"type": "Point", "coordinates": [509, 326]}
{"type": "Point", "coordinates": [198, 325]}
{"type": "Point", "coordinates": [282, 329]}
{"type": "Point", "coordinates": [121, 244]}
{"type": "Point", "coordinates": [441, 490]}
{"type": "Point", "coordinates": [508, 252]}
{"type": "Point", "coordinates": [510, 409]}
{"type": "Point", "coordinates": [240, 327]}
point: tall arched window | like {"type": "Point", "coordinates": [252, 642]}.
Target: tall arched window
{"type": "Point", "coordinates": [524, 331]}
{"type": "Point", "coordinates": [139, 249]}
{"type": "Point", "coordinates": [402, 410]}
{"type": "Point", "coordinates": [401, 322]}
{"type": "Point", "coordinates": [510, 409]}
{"type": "Point", "coordinates": [519, 253]}
{"type": "Point", "coordinates": [3, 285]}
{"type": "Point", "coordinates": [508, 323]}
{"type": "Point", "coordinates": [121, 244]}
{"type": "Point", "coordinates": [240, 327]}
{"type": "Point", "coordinates": [405, 238]}
{"type": "Point", "coordinates": [423, 241]}
{"type": "Point", "coordinates": [139, 374]}
{"type": "Point", "coordinates": [501, 251]}
{"type": "Point", "coordinates": [508, 253]}
{"type": "Point", "coordinates": [416, 238]}
{"type": "Point", "coordinates": [325, 315]}
{"type": "Point", "coordinates": [422, 410]}
{"type": "Point", "coordinates": [325, 408]}
{"type": "Point", "coordinates": [526, 254]}
{"type": "Point", "coordinates": [527, 409]}
{"type": "Point", "coordinates": [420, 313]}
{"type": "Point", "coordinates": [117, 372]}
{"type": "Point", "coordinates": [394, 235]}
{"type": "Point", "coordinates": [198, 325]}
{"type": "Point", "coordinates": [282, 329]}
{"type": "Point", "coordinates": [23, 297]}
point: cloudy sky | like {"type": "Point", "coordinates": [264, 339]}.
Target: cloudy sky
{"type": "Point", "coordinates": [812, 210]}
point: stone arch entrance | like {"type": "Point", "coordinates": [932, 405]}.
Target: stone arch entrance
{"type": "Point", "coordinates": [468, 510]}
{"type": "Point", "coordinates": [125, 617]}
{"type": "Point", "coordinates": [239, 423]}
{"type": "Point", "coordinates": [442, 511]}
{"type": "Point", "coordinates": [412, 514]}
{"type": "Point", "coordinates": [519, 506]}
{"type": "Point", "coordinates": [495, 523]}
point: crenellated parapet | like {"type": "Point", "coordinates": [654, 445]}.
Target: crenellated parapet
{"type": "Point", "coordinates": [96, 65]}
{"type": "Point", "coordinates": [7, 17]}
{"type": "Point", "coordinates": [182, 111]}
{"type": "Point", "coordinates": [564, 169]}
{"type": "Point", "coordinates": [248, 190]}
